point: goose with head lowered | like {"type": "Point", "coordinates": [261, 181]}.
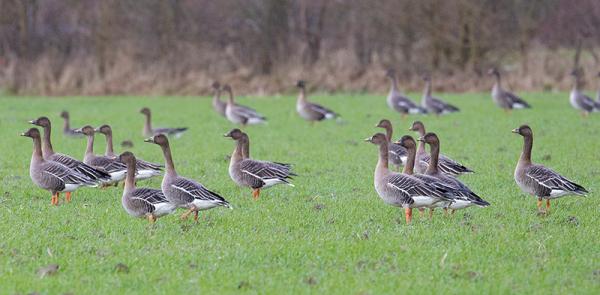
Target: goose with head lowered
{"type": "Point", "coordinates": [311, 111]}
{"type": "Point", "coordinates": [505, 99]}
{"type": "Point", "coordinates": [432, 104]}
{"type": "Point", "coordinates": [93, 174]}
{"type": "Point", "coordinates": [149, 131]}
{"type": "Point", "coordinates": [110, 165]}
{"type": "Point", "coordinates": [239, 114]}
{"type": "Point", "coordinates": [399, 102]}
{"type": "Point", "coordinates": [578, 99]}
{"type": "Point", "coordinates": [251, 173]}
{"type": "Point", "coordinates": [539, 181]}
{"type": "Point", "coordinates": [181, 191]}
{"type": "Point", "coordinates": [401, 189]}
{"type": "Point", "coordinates": [397, 153]}
{"type": "Point", "coordinates": [142, 202]}
{"type": "Point", "coordinates": [445, 164]}
{"type": "Point", "coordinates": [463, 197]}
{"type": "Point", "coordinates": [144, 170]}
{"type": "Point", "coordinates": [53, 176]}
{"type": "Point", "coordinates": [217, 104]}
{"type": "Point", "coordinates": [67, 125]}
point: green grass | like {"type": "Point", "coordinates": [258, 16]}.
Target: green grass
{"type": "Point", "coordinates": [329, 234]}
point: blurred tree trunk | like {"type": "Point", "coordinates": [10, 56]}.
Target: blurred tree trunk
{"type": "Point", "coordinates": [312, 16]}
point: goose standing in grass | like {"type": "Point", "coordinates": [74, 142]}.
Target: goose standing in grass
{"type": "Point", "coordinates": [239, 114]}
{"type": "Point", "coordinates": [397, 101]}
{"type": "Point", "coordinates": [504, 99]}
{"type": "Point", "coordinates": [110, 165]}
{"type": "Point", "coordinates": [435, 105]}
{"type": "Point", "coordinates": [218, 105]}
{"type": "Point", "coordinates": [67, 125]}
{"type": "Point", "coordinates": [142, 202]}
{"type": "Point", "coordinates": [93, 174]}
{"type": "Point", "coordinates": [144, 170]}
{"type": "Point", "coordinates": [149, 131]}
{"type": "Point", "coordinates": [253, 173]}
{"type": "Point", "coordinates": [539, 181]}
{"type": "Point", "coordinates": [53, 176]}
{"type": "Point", "coordinates": [578, 99]}
{"type": "Point", "coordinates": [401, 189]}
{"type": "Point", "coordinates": [467, 198]}
{"type": "Point", "coordinates": [445, 164]}
{"type": "Point", "coordinates": [397, 154]}
{"type": "Point", "coordinates": [311, 111]}
{"type": "Point", "coordinates": [184, 192]}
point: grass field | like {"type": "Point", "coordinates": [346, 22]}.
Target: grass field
{"type": "Point", "coordinates": [329, 234]}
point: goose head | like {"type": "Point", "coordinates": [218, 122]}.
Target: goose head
{"type": "Point", "coordinates": [417, 126]}
{"type": "Point", "coordinates": [41, 121]}
{"type": "Point", "coordinates": [385, 124]}
{"type": "Point", "coordinates": [493, 71]}
{"type": "Point", "coordinates": [390, 73]}
{"type": "Point", "coordinates": [86, 130]}
{"type": "Point", "coordinates": [127, 157]}
{"type": "Point", "coordinates": [216, 86]}
{"type": "Point", "coordinates": [523, 130]}
{"type": "Point", "coordinates": [159, 139]}
{"type": "Point", "coordinates": [32, 133]}
{"type": "Point", "coordinates": [430, 138]}
{"type": "Point", "coordinates": [235, 134]}
{"type": "Point", "coordinates": [377, 139]}
{"type": "Point", "coordinates": [145, 111]}
{"type": "Point", "coordinates": [104, 129]}
{"type": "Point", "coordinates": [426, 78]}
{"type": "Point", "coordinates": [407, 142]}
{"type": "Point", "coordinates": [64, 115]}
{"type": "Point", "coordinates": [301, 84]}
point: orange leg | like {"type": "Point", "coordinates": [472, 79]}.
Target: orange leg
{"type": "Point", "coordinates": [408, 215]}
{"type": "Point", "coordinates": [452, 211]}
{"type": "Point", "coordinates": [54, 200]}
{"type": "Point", "coordinates": [187, 213]}
{"type": "Point", "coordinates": [196, 215]}
{"type": "Point", "coordinates": [255, 193]}
{"type": "Point", "coordinates": [539, 204]}
{"type": "Point", "coordinates": [151, 218]}
{"type": "Point", "coordinates": [445, 211]}
{"type": "Point", "coordinates": [430, 213]}
{"type": "Point", "coordinates": [68, 197]}
{"type": "Point", "coordinates": [547, 205]}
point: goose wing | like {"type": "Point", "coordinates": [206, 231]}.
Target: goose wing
{"type": "Point", "coordinates": [59, 172]}
{"type": "Point", "coordinates": [586, 102]}
{"type": "Point", "coordinates": [413, 187]}
{"type": "Point", "coordinates": [143, 165]}
{"type": "Point", "coordinates": [196, 190]}
{"type": "Point", "coordinates": [107, 164]}
{"type": "Point", "coordinates": [248, 112]}
{"type": "Point", "coordinates": [263, 171]}
{"type": "Point", "coordinates": [80, 167]}
{"type": "Point", "coordinates": [554, 181]}
{"type": "Point", "coordinates": [169, 131]}
{"type": "Point", "coordinates": [447, 165]}
{"type": "Point", "coordinates": [516, 101]}
{"type": "Point", "coordinates": [442, 105]}
{"type": "Point", "coordinates": [325, 112]}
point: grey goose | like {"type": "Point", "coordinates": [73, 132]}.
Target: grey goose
{"type": "Point", "coordinates": [217, 104]}
{"type": "Point", "coordinates": [239, 114]}
{"type": "Point", "coordinates": [92, 173]}
{"type": "Point", "coordinates": [505, 99]}
{"type": "Point", "coordinates": [67, 130]}
{"type": "Point", "coordinates": [399, 102]}
{"type": "Point", "coordinates": [435, 105]}
{"type": "Point", "coordinates": [251, 173]}
{"type": "Point", "coordinates": [311, 111]}
{"type": "Point", "coordinates": [401, 189]}
{"type": "Point", "coordinates": [181, 191]}
{"type": "Point", "coordinates": [115, 168]}
{"type": "Point", "coordinates": [144, 170]}
{"type": "Point", "coordinates": [539, 181]}
{"type": "Point", "coordinates": [445, 164]}
{"type": "Point", "coordinates": [142, 202]}
{"type": "Point", "coordinates": [397, 153]}
{"type": "Point", "coordinates": [149, 131]}
{"type": "Point", "coordinates": [578, 99]}
{"type": "Point", "coordinates": [53, 176]}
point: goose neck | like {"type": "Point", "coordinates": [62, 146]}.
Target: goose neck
{"type": "Point", "coordinates": [170, 167]}
{"type": "Point", "coordinates": [410, 161]}
{"type": "Point", "coordinates": [46, 143]}
{"type": "Point", "coordinates": [527, 146]}
{"type": "Point", "coordinates": [130, 177]}
{"type": "Point", "coordinates": [433, 162]}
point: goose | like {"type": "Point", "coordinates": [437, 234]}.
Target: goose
{"type": "Point", "coordinates": [397, 154]}
{"type": "Point", "coordinates": [539, 181]}
{"type": "Point", "coordinates": [239, 114]}
{"type": "Point", "coordinates": [66, 125]}
{"type": "Point", "coordinates": [311, 111]}
{"type": "Point", "coordinates": [435, 105]}
{"type": "Point", "coordinates": [467, 198]}
{"type": "Point", "coordinates": [149, 131]}
{"type": "Point", "coordinates": [142, 202]}
{"type": "Point", "coordinates": [401, 189]}
{"type": "Point", "coordinates": [255, 174]}
{"type": "Point", "coordinates": [184, 192]}
{"type": "Point", "coordinates": [110, 165]}
{"type": "Point", "coordinates": [144, 169]}
{"type": "Point", "coordinates": [399, 102]}
{"type": "Point", "coordinates": [217, 103]}
{"type": "Point", "coordinates": [93, 174]}
{"type": "Point", "coordinates": [53, 176]}
{"type": "Point", "coordinates": [504, 99]}
{"type": "Point", "coordinates": [578, 99]}
{"type": "Point", "coordinates": [445, 164]}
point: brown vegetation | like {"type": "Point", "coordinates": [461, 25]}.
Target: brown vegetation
{"type": "Point", "coordinates": [58, 47]}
